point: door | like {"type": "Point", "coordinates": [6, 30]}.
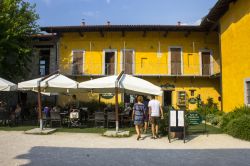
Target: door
{"type": "Point", "coordinates": [109, 63]}
{"type": "Point", "coordinates": [206, 67]}
{"type": "Point", "coordinates": [128, 61]}
{"type": "Point", "coordinates": [167, 98]}
{"type": "Point", "coordinates": [175, 61]}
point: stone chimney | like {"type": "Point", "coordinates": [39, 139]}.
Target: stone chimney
{"type": "Point", "coordinates": [108, 22]}
{"type": "Point", "coordinates": [179, 23]}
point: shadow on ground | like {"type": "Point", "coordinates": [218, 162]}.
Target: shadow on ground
{"type": "Point", "coordinates": [140, 157]}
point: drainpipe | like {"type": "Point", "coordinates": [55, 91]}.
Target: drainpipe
{"type": "Point", "coordinates": [116, 101]}
{"type": "Point", "coordinates": [39, 101]}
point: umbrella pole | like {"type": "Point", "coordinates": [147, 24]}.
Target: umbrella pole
{"type": "Point", "coordinates": [40, 106]}
{"type": "Point", "coordinates": [116, 110]}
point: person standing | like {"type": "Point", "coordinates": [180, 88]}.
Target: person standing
{"type": "Point", "coordinates": [75, 102]}
{"type": "Point", "coordinates": [138, 116]}
{"type": "Point", "coordinates": [155, 112]}
{"type": "Point", "coordinates": [146, 114]}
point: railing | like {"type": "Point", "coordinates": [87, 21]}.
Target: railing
{"type": "Point", "coordinates": [150, 69]}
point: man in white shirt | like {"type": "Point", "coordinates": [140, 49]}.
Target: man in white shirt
{"type": "Point", "coordinates": [155, 112]}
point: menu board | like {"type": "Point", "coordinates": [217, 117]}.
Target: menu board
{"type": "Point", "coordinates": [172, 118]}
{"type": "Point", "coordinates": [180, 118]}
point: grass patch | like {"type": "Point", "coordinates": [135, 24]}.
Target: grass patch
{"type": "Point", "coordinates": [93, 130]}
{"type": "Point", "coordinates": [198, 129]}
{"type": "Point", "coordinates": [82, 130]}
{"type": "Point", "coordinates": [16, 128]}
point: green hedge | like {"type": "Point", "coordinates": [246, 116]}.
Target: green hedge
{"type": "Point", "coordinates": [236, 113]}
{"type": "Point", "coordinates": [239, 127]}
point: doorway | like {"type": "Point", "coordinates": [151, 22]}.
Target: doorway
{"type": "Point", "coordinates": [176, 61]}
{"type": "Point", "coordinates": [167, 98]}
{"type": "Point", "coordinates": [109, 63]}
{"type": "Point", "coordinates": [206, 66]}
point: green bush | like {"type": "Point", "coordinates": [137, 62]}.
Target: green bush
{"type": "Point", "coordinates": [209, 108]}
{"type": "Point", "coordinates": [239, 127]}
{"type": "Point", "coordinates": [236, 113]}
{"type": "Point", "coordinates": [215, 120]}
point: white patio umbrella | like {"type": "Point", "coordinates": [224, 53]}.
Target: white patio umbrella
{"type": "Point", "coordinates": [54, 83]}
{"type": "Point", "coordinates": [7, 85]}
{"type": "Point", "coordinates": [128, 83]}
{"type": "Point", "coordinates": [120, 83]}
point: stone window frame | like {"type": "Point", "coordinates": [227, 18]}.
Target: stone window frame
{"type": "Point", "coordinates": [245, 91]}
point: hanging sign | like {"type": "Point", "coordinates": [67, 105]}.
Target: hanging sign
{"type": "Point", "coordinates": [192, 100]}
{"type": "Point", "coordinates": [107, 95]}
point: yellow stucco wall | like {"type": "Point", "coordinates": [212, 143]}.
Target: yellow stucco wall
{"type": "Point", "coordinates": [146, 48]}
{"type": "Point", "coordinates": [147, 60]}
{"type": "Point", "coordinates": [235, 50]}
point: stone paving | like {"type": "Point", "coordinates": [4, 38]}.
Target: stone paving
{"type": "Point", "coordinates": [61, 149]}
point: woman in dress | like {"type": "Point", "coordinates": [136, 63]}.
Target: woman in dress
{"type": "Point", "coordinates": [138, 115]}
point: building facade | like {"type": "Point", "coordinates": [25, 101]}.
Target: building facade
{"type": "Point", "coordinates": [188, 62]}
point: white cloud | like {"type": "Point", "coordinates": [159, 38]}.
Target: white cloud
{"type": "Point", "coordinates": [91, 13]}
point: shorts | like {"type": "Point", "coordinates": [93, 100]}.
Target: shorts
{"type": "Point", "coordinates": [155, 120]}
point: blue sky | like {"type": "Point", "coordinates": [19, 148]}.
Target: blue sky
{"type": "Point", "coordinates": [98, 12]}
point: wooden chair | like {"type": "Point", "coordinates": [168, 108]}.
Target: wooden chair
{"type": "Point", "coordinates": [55, 117]}
{"type": "Point", "coordinates": [99, 118]}
{"type": "Point", "coordinates": [4, 117]}
{"type": "Point", "coordinates": [110, 118]}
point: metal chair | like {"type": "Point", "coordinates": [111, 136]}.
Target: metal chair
{"type": "Point", "coordinates": [55, 117]}
{"type": "Point", "coordinates": [99, 118]}
{"type": "Point", "coordinates": [110, 118]}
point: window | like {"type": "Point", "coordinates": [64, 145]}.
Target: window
{"type": "Point", "coordinates": [44, 60]}
{"type": "Point", "coordinates": [206, 63]}
{"type": "Point", "coordinates": [77, 62]}
{"type": "Point", "coordinates": [181, 98]}
{"type": "Point", "coordinates": [247, 92]}
{"type": "Point", "coordinates": [176, 61]}
{"type": "Point", "coordinates": [128, 61]}
{"type": "Point", "coordinates": [109, 66]}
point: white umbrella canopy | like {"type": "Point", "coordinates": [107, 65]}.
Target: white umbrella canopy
{"type": "Point", "coordinates": [134, 85]}
{"type": "Point", "coordinates": [7, 85]}
{"type": "Point", "coordinates": [128, 83]}
{"type": "Point", "coordinates": [55, 83]}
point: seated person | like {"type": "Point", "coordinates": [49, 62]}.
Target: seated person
{"type": "Point", "coordinates": [15, 114]}
{"type": "Point", "coordinates": [56, 109]}
{"type": "Point", "coordinates": [74, 103]}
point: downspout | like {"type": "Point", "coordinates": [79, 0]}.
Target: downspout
{"type": "Point", "coordinates": [116, 101]}
{"type": "Point", "coordinates": [39, 101]}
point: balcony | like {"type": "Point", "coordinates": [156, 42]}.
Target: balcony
{"type": "Point", "coordinates": [139, 69]}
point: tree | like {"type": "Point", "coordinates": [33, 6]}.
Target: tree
{"type": "Point", "coordinates": [17, 25]}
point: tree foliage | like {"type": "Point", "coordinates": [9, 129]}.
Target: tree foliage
{"type": "Point", "coordinates": [17, 25]}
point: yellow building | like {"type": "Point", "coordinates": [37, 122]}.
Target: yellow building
{"type": "Point", "coordinates": [206, 61]}
{"type": "Point", "coordinates": [232, 19]}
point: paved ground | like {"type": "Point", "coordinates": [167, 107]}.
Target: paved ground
{"type": "Point", "coordinates": [61, 149]}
